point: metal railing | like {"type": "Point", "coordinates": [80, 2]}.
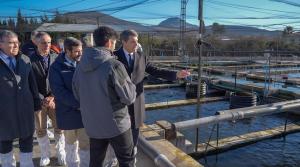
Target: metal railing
{"type": "Point", "coordinates": [236, 114]}
{"type": "Point", "coordinates": [159, 159]}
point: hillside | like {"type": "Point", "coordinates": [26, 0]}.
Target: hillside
{"type": "Point", "coordinates": [170, 25]}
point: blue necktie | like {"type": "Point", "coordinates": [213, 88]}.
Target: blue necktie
{"type": "Point", "coordinates": [45, 64]}
{"type": "Point", "coordinates": [11, 64]}
{"type": "Point", "coordinates": [131, 60]}
{"type": "Point", "coordinates": [45, 61]}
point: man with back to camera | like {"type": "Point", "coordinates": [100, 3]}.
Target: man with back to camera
{"type": "Point", "coordinates": [19, 99]}
{"type": "Point", "coordinates": [41, 60]}
{"type": "Point", "coordinates": [30, 47]}
{"type": "Point", "coordinates": [136, 65]}
{"type": "Point", "coordinates": [104, 90]}
{"type": "Point", "coordinates": [68, 116]}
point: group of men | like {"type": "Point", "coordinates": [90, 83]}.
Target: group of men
{"type": "Point", "coordinates": [95, 98]}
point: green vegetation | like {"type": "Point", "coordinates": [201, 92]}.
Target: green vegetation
{"type": "Point", "coordinates": [166, 43]}
{"type": "Point", "coordinates": [24, 25]}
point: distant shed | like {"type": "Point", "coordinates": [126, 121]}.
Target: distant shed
{"type": "Point", "coordinates": [59, 27]}
{"type": "Point", "coordinates": [86, 29]}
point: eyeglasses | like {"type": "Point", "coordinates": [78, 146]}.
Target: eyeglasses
{"type": "Point", "coordinates": [12, 43]}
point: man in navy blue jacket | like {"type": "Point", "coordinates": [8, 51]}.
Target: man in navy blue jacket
{"type": "Point", "coordinates": [68, 116]}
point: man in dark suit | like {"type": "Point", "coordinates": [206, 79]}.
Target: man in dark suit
{"type": "Point", "coordinates": [19, 99]}
{"type": "Point", "coordinates": [136, 65]}
{"type": "Point", "coordinates": [41, 61]}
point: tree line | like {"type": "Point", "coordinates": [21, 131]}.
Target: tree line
{"type": "Point", "coordinates": [23, 25]}
{"type": "Point", "coordinates": [168, 45]}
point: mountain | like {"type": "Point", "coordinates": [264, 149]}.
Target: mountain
{"type": "Point", "coordinates": [170, 25]}
{"type": "Point", "coordinates": [94, 17]}
{"type": "Point", "coordinates": [230, 30]}
{"type": "Point", "coordinates": [174, 22]}
{"type": "Point", "coordinates": [235, 31]}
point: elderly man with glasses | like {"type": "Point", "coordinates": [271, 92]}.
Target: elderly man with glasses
{"type": "Point", "coordinates": [19, 99]}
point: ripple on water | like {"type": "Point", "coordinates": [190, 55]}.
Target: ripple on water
{"type": "Point", "coordinates": [269, 153]}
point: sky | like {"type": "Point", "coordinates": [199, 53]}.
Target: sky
{"type": "Point", "coordinates": [265, 14]}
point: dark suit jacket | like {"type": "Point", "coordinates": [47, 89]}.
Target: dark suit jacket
{"type": "Point", "coordinates": [19, 99]}
{"type": "Point", "coordinates": [40, 73]}
{"type": "Point", "coordinates": [137, 75]}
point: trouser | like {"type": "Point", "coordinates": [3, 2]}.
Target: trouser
{"type": "Point", "coordinates": [41, 121]}
{"type": "Point", "coordinates": [135, 131]}
{"type": "Point", "coordinates": [122, 145]}
{"type": "Point", "coordinates": [25, 145]}
{"type": "Point", "coordinates": [135, 135]}
{"type": "Point", "coordinates": [42, 137]}
{"type": "Point", "coordinates": [75, 158]}
{"type": "Point", "coordinates": [71, 136]}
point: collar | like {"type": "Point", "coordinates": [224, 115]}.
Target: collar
{"type": "Point", "coordinates": [127, 53]}
{"type": "Point", "coordinates": [105, 49]}
{"type": "Point", "coordinates": [69, 60]}
{"type": "Point", "coordinates": [5, 58]}
{"type": "Point", "coordinates": [3, 55]}
{"type": "Point", "coordinates": [42, 57]}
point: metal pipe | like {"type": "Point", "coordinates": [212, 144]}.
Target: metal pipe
{"type": "Point", "coordinates": [159, 159]}
{"type": "Point", "coordinates": [236, 114]}
{"type": "Point", "coordinates": [260, 106]}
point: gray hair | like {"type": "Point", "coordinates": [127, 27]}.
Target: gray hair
{"type": "Point", "coordinates": [7, 33]}
{"type": "Point", "coordinates": [33, 34]}
{"type": "Point", "coordinates": [39, 35]}
{"type": "Point", "coordinates": [124, 36]}
{"type": "Point", "coordinates": [71, 42]}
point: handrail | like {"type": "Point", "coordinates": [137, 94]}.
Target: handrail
{"type": "Point", "coordinates": [159, 159]}
{"type": "Point", "coordinates": [236, 114]}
